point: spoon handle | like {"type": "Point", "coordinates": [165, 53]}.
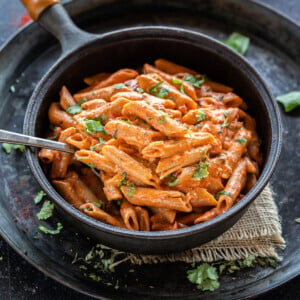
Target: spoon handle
{"type": "Point", "coordinates": [17, 138]}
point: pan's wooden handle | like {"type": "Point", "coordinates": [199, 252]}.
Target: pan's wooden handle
{"type": "Point", "coordinates": [36, 7]}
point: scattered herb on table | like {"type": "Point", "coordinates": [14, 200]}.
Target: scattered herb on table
{"type": "Point", "coordinates": [290, 100]}
{"type": "Point", "coordinates": [297, 220]}
{"type": "Point", "coordinates": [38, 198]}
{"type": "Point", "coordinates": [8, 147]}
{"type": "Point", "coordinates": [1, 258]}
{"type": "Point", "coordinates": [238, 42]}
{"type": "Point", "coordinates": [205, 276]}
{"type": "Point", "coordinates": [46, 230]}
{"type": "Point", "coordinates": [46, 210]}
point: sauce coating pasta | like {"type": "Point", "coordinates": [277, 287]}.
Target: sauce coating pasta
{"type": "Point", "coordinates": [160, 150]}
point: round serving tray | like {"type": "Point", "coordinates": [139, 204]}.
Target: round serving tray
{"type": "Point", "coordinates": [276, 59]}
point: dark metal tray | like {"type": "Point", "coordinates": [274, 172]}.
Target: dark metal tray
{"type": "Point", "coordinates": [277, 60]}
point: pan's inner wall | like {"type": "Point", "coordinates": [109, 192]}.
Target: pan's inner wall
{"type": "Point", "coordinates": [133, 53]}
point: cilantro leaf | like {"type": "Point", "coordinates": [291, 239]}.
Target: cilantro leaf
{"type": "Point", "coordinates": [201, 115]}
{"type": "Point", "coordinates": [46, 210]}
{"type": "Point", "coordinates": [157, 91]}
{"type": "Point", "coordinates": [162, 119]}
{"type": "Point", "coordinates": [238, 42]}
{"type": "Point", "coordinates": [131, 190]}
{"type": "Point", "coordinates": [225, 123]}
{"type": "Point", "coordinates": [222, 193]}
{"type": "Point", "coordinates": [241, 140]}
{"type": "Point", "coordinates": [46, 230]}
{"type": "Point", "coordinates": [119, 86]}
{"type": "Point", "coordinates": [205, 276]}
{"type": "Point", "coordinates": [297, 220]}
{"type": "Point", "coordinates": [37, 199]}
{"type": "Point", "coordinates": [9, 146]}
{"type": "Point", "coordinates": [290, 100]}
{"type": "Point", "coordinates": [194, 80]}
{"type": "Point", "coordinates": [94, 126]}
{"type": "Point", "coordinates": [201, 170]}
{"type": "Point", "coordinates": [172, 180]}
{"type": "Point", "coordinates": [75, 109]}
{"type": "Point", "coordinates": [101, 142]}
{"type": "Point", "coordinates": [123, 180]}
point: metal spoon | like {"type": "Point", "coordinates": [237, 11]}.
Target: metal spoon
{"type": "Point", "coordinates": [17, 138]}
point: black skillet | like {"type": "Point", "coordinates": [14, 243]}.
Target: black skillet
{"type": "Point", "coordinates": [84, 54]}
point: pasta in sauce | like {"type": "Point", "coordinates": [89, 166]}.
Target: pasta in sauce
{"type": "Point", "coordinates": [160, 150]}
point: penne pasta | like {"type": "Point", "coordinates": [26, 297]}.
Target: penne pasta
{"type": "Point", "coordinates": [158, 150]}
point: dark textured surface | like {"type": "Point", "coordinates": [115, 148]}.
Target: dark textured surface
{"type": "Point", "coordinates": [20, 281]}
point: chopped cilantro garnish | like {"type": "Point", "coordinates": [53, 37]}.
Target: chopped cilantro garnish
{"type": "Point", "coordinates": [115, 135]}
{"type": "Point", "coordinates": [8, 147]}
{"type": "Point", "coordinates": [159, 92]}
{"type": "Point", "coordinates": [201, 115]}
{"type": "Point", "coordinates": [297, 220]}
{"type": "Point", "coordinates": [172, 180]}
{"type": "Point", "coordinates": [225, 123]}
{"type": "Point", "coordinates": [46, 210]}
{"type": "Point", "coordinates": [140, 90]}
{"type": "Point", "coordinates": [38, 198]}
{"type": "Point", "coordinates": [178, 81]}
{"type": "Point", "coordinates": [54, 137]}
{"type": "Point", "coordinates": [241, 140]}
{"type": "Point", "coordinates": [98, 204]}
{"type": "Point", "coordinates": [222, 193]}
{"type": "Point", "coordinates": [126, 121]}
{"type": "Point", "coordinates": [94, 126]}
{"type": "Point", "coordinates": [46, 230]}
{"type": "Point", "coordinates": [75, 109]}
{"type": "Point", "coordinates": [201, 170]}
{"type": "Point", "coordinates": [289, 101]}
{"type": "Point", "coordinates": [119, 86]}
{"type": "Point", "coordinates": [194, 80]}
{"type": "Point", "coordinates": [131, 190]}
{"type": "Point", "coordinates": [205, 276]}
{"type": "Point", "coordinates": [238, 42]}
{"type": "Point", "coordinates": [95, 277]}
{"type": "Point", "coordinates": [101, 142]}
{"type": "Point", "coordinates": [123, 180]}
{"type": "Point", "coordinates": [162, 119]}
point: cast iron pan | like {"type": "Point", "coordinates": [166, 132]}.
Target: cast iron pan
{"type": "Point", "coordinates": [84, 54]}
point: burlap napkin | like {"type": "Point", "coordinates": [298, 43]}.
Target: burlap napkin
{"type": "Point", "coordinates": [257, 233]}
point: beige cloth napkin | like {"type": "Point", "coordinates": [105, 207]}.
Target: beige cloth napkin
{"type": "Point", "coordinates": [257, 233]}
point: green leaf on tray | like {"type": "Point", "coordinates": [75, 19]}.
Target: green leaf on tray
{"type": "Point", "coordinates": [38, 198]}
{"type": "Point", "coordinates": [8, 147]}
{"type": "Point", "coordinates": [290, 100]}
{"type": "Point", "coordinates": [46, 210]}
{"type": "Point", "coordinates": [205, 276]}
{"type": "Point", "coordinates": [238, 42]}
{"type": "Point", "coordinates": [46, 230]}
